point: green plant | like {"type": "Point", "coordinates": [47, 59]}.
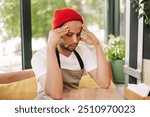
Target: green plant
{"type": "Point", "coordinates": [115, 49]}
{"type": "Point", "coordinates": [145, 10]}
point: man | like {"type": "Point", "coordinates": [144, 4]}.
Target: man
{"type": "Point", "coordinates": [61, 64]}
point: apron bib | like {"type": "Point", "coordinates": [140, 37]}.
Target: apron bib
{"type": "Point", "coordinates": [71, 78]}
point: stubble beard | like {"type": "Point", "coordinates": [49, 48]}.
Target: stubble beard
{"type": "Point", "coordinates": [67, 47]}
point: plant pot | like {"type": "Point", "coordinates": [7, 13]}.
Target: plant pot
{"type": "Point", "coordinates": [117, 71]}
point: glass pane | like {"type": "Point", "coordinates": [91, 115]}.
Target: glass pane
{"type": "Point", "coordinates": [42, 12]}
{"type": "Point", "coordinates": [122, 17]}
{"type": "Point", "coordinates": [10, 47]}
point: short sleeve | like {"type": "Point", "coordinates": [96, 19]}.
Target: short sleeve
{"type": "Point", "coordinates": [88, 56]}
{"type": "Point", "coordinates": [38, 63]}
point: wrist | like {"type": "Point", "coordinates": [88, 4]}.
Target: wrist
{"type": "Point", "coordinates": [97, 44]}
{"type": "Point", "coordinates": [50, 48]}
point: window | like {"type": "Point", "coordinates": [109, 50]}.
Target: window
{"type": "Point", "coordinates": [10, 47]}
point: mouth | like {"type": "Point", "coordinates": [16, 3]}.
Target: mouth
{"type": "Point", "coordinates": [73, 46]}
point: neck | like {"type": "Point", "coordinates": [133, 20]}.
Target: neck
{"type": "Point", "coordinates": [64, 51]}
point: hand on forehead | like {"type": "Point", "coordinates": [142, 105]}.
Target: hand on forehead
{"type": "Point", "coordinates": [74, 26]}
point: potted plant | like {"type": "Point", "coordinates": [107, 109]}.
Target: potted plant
{"type": "Point", "coordinates": [115, 52]}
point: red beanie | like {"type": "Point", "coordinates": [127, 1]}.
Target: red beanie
{"type": "Point", "coordinates": [64, 15]}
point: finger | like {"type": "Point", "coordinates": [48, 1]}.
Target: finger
{"type": "Point", "coordinates": [86, 35]}
{"type": "Point", "coordinates": [63, 28]}
{"type": "Point", "coordinates": [88, 41]}
{"type": "Point", "coordinates": [63, 33]}
{"type": "Point", "coordinates": [84, 28]}
{"type": "Point", "coordinates": [84, 40]}
{"type": "Point", "coordinates": [88, 32]}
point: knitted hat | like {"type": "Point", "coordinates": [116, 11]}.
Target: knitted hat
{"type": "Point", "coordinates": [64, 15]}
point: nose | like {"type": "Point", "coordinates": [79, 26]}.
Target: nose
{"type": "Point", "coordinates": [74, 39]}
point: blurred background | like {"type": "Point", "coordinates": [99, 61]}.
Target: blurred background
{"type": "Point", "coordinates": [93, 11]}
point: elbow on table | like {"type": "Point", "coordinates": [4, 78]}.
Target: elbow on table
{"type": "Point", "coordinates": [105, 85]}
{"type": "Point", "coordinates": [54, 96]}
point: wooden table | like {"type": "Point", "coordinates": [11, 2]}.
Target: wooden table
{"type": "Point", "coordinates": [93, 94]}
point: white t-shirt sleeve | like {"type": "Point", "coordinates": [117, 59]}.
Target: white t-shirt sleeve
{"type": "Point", "coordinates": [88, 56]}
{"type": "Point", "coordinates": [38, 63]}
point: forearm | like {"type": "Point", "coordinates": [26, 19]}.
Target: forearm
{"type": "Point", "coordinates": [53, 82]}
{"type": "Point", "coordinates": [103, 70]}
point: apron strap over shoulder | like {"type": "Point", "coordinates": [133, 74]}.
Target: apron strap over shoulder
{"type": "Point", "coordinates": [79, 59]}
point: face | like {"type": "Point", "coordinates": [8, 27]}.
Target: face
{"type": "Point", "coordinates": [70, 40]}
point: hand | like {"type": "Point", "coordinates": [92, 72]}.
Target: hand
{"type": "Point", "coordinates": [91, 38]}
{"type": "Point", "coordinates": [55, 35]}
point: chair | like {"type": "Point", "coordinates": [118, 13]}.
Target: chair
{"type": "Point", "coordinates": [22, 85]}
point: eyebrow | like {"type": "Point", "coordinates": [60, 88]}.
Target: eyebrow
{"type": "Point", "coordinates": [73, 32]}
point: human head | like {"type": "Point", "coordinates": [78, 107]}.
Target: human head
{"type": "Point", "coordinates": [74, 21]}
{"type": "Point", "coordinates": [64, 15]}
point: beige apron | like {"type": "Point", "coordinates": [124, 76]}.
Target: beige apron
{"type": "Point", "coordinates": [71, 78]}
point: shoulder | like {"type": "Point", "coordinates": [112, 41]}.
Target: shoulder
{"type": "Point", "coordinates": [39, 54]}
{"type": "Point", "coordinates": [38, 62]}
{"type": "Point", "coordinates": [84, 49]}
{"type": "Point", "coordinates": [88, 56]}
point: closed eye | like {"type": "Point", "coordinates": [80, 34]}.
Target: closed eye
{"type": "Point", "coordinates": [78, 34]}
{"type": "Point", "coordinates": [69, 34]}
